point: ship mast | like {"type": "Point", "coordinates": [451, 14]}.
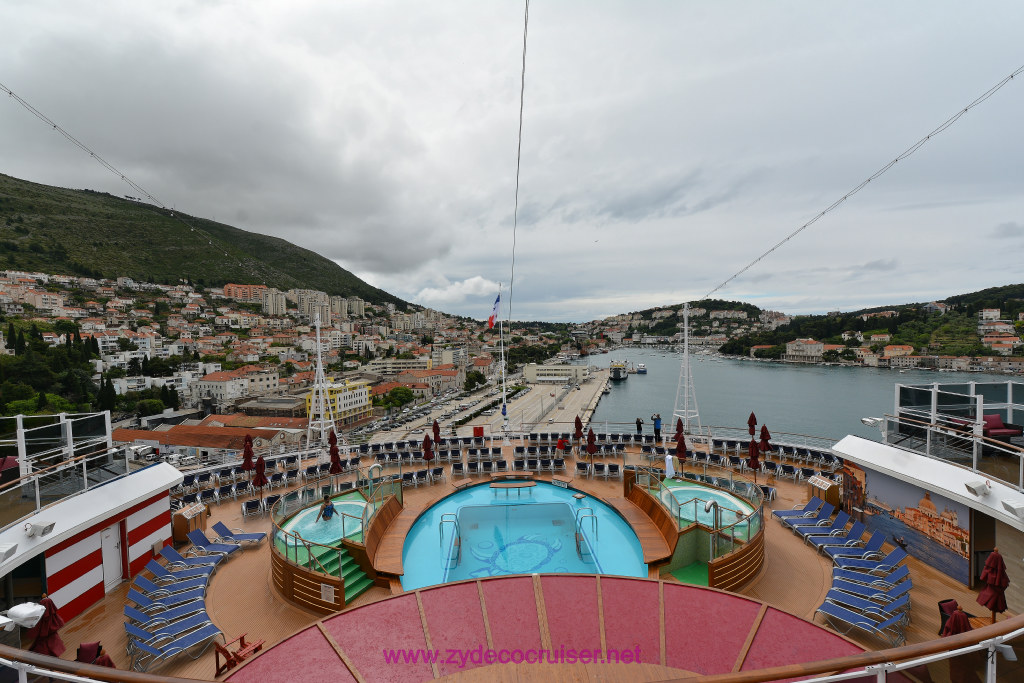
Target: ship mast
{"type": "Point", "coordinates": [321, 410]}
{"type": "Point", "coordinates": [685, 392]}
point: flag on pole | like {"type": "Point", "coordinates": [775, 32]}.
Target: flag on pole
{"type": "Point", "coordinates": [494, 312]}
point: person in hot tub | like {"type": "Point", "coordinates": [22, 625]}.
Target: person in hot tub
{"type": "Point", "coordinates": [326, 510]}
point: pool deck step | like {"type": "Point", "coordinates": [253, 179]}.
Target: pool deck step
{"type": "Point", "coordinates": [357, 587]}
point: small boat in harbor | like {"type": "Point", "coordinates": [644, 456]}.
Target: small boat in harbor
{"type": "Point", "coordinates": [641, 369]}
{"type": "Point", "coordinates": [617, 370]}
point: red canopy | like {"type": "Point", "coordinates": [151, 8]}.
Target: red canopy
{"type": "Point", "coordinates": [680, 446]}
{"type": "Point", "coordinates": [332, 438]}
{"type": "Point", "coordinates": [437, 431]}
{"type": "Point", "coordinates": [579, 428]}
{"type": "Point", "coordinates": [993, 595]}
{"type": "Point", "coordinates": [247, 463]}
{"type": "Point", "coordinates": [765, 438]}
{"type": "Point", "coordinates": [591, 442]}
{"type": "Point", "coordinates": [335, 459]}
{"type": "Point", "coordinates": [260, 480]}
{"type": "Point", "coordinates": [44, 634]}
{"type": "Point", "coordinates": [679, 428]}
{"type": "Point", "coordinates": [428, 452]}
{"type": "Point", "coordinates": [751, 421]}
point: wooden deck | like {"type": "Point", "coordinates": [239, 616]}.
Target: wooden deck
{"type": "Point", "coordinates": [241, 598]}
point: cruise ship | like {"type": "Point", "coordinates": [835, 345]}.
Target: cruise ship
{"type": "Point", "coordinates": [104, 528]}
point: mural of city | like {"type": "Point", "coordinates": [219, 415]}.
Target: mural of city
{"type": "Point", "coordinates": [932, 528]}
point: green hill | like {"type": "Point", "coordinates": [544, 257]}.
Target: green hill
{"type": "Point", "coordinates": [81, 232]}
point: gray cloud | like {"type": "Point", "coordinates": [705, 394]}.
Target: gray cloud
{"type": "Point", "coordinates": [383, 136]}
{"type": "Point", "coordinates": [1007, 230]}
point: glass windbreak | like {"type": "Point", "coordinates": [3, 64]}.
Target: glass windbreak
{"type": "Point", "coordinates": [955, 404]}
{"type": "Point", "coordinates": [994, 392]}
{"type": "Point", "coordinates": [915, 400]}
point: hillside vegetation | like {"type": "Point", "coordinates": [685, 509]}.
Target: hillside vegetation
{"type": "Point", "coordinates": [81, 232]}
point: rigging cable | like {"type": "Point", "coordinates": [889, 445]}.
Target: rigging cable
{"type": "Point", "coordinates": [131, 183]}
{"type": "Point", "coordinates": [519, 151]}
{"type": "Point", "coordinates": [906, 153]}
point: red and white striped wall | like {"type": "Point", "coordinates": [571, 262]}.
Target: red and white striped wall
{"type": "Point", "coordinates": [74, 567]}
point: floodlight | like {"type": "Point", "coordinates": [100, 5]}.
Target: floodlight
{"type": "Point", "coordinates": [1014, 508]}
{"type": "Point", "coordinates": [38, 528]}
{"type": "Point", "coordinates": [978, 488]}
{"type": "Point", "coordinates": [871, 421]}
{"type": "Point", "coordinates": [1007, 652]}
{"type": "Point", "coordinates": [7, 551]}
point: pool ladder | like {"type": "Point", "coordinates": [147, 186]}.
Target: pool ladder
{"type": "Point", "coordinates": [453, 519]}
{"type": "Point", "coordinates": [580, 543]}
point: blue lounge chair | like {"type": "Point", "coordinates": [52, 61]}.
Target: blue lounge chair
{"type": "Point", "coordinates": [898, 607]}
{"type": "Point", "coordinates": [883, 566]}
{"type": "Point", "coordinates": [807, 510]}
{"type": "Point", "coordinates": [168, 630]}
{"type": "Point", "coordinates": [177, 560]}
{"type": "Point", "coordinates": [897, 576]}
{"type": "Point", "coordinates": [160, 603]}
{"type": "Point", "coordinates": [226, 535]}
{"type": "Point", "coordinates": [878, 595]}
{"type": "Point", "coordinates": [837, 526]}
{"type": "Point", "coordinates": [823, 516]}
{"type": "Point", "coordinates": [872, 550]}
{"type": "Point", "coordinates": [162, 575]}
{"type": "Point", "coordinates": [200, 543]}
{"type": "Point", "coordinates": [158, 591]}
{"type": "Point", "coordinates": [849, 538]}
{"type": "Point", "coordinates": [158, 617]}
{"type": "Point", "coordinates": [147, 654]}
{"type": "Point", "coordinates": [845, 620]}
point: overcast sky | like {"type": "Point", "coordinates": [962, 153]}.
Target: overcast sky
{"type": "Point", "coordinates": [665, 144]}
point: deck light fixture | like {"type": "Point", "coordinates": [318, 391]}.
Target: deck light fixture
{"type": "Point", "coordinates": [978, 488]}
{"type": "Point", "coordinates": [38, 528]}
{"type": "Point", "coordinates": [7, 551]}
{"type": "Point", "coordinates": [1014, 508]}
{"type": "Point", "coordinates": [871, 421]}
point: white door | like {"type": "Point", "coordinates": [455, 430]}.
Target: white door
{"type": "Point", "coordinates": [110, 540]}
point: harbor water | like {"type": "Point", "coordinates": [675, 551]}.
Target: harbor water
{"type": "Point", "coordinates": [817, 400]}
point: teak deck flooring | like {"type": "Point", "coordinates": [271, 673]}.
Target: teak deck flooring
{"type": "Point", "coordinates": [241, 599]}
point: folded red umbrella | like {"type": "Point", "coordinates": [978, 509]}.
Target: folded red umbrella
{"type": "Point", "coordinates": [993, 595]}
{"type": "Point", "coordinates": [46, 641]}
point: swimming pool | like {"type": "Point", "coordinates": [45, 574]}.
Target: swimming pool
{"type": "Point", "coordinates": [691, 498]}
{"type": "Point", "coordinates": [332, 531]}
{"type": "Point", "coordinates": [485, 533]}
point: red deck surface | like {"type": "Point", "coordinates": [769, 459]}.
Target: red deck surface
{"type": "Point", "coordinates": [700, 644]}
{"type": "Point", "coordinates": [631, 617]}
{"type": "Point", "coordinates": [704, 629]}
{"type": "Point", "coordinates": [455, 622]}
{"type": "Point", "coordinates": [319, 661]}
{"type": "Point", "coordinates": [366, 632]}
{"type": "Point", "coordinates": [512, 613]}
{"type": "Point", "coordinates": [784, 639]}
{"type": "Point", "coordinates": [571, 603]}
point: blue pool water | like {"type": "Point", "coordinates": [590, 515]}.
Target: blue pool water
{"type": "Point", "coordinates": [531, 533]}
{"type": "Point", "coordinates": [334, 529]}
{"type": "Point", "coordinates": [731, 508]}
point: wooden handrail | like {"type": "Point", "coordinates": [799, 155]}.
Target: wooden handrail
{"type": "Point", "coordinates": [91, 671]}
{"type": "Point", "coordinates": [48, 470]}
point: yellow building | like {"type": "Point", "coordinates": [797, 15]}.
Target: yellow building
{"type": "Point", "coordinates": [348, 401]}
